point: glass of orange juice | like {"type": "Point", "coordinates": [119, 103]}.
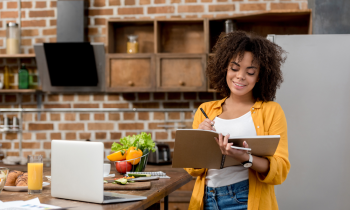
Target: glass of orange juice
{"type": "Point", "coordinates": [35, 174]}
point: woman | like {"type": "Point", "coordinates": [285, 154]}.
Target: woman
{"type": "Point", "coordinates": [246, 70]}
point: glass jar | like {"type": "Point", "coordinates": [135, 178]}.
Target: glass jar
{"type": "Point", "coordinates": [3, 176]}
{"type": "Point", "coordinates": [12, 38]}
{"type": "Point", "coordinates": [132, 45]}
{"type": "Point", "coordinates": [230, 26]}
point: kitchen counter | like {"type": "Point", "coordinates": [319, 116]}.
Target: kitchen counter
{"type": "Point", "coordinates": [160, 189]}
{"type": "Point", "coordinates": [178, 199]}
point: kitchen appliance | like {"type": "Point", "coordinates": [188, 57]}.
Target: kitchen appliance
{"type": "Point", "coordinates": [72, 64]}
{"type": "Point", "coordinates": [161, 156]}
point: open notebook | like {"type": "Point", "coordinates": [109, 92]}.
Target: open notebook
{"type": "Point", "coordinates": [195, 148]}
{"type": "Point", "coordinates": [161, 174]}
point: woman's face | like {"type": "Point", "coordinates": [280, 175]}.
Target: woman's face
{"type": "Point", "coordinates": [242, 75]}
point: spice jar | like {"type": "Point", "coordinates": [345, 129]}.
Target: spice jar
{"type": "Point", "coordinates": [132, 45]}
{"type": "Point", "coordinates": [12, 38]}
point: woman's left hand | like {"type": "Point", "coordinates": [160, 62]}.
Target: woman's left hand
{"type": "Point", "coordinates": [225, 147]}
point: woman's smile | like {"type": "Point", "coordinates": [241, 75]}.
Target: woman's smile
{"type": "Point", "coordinates": [238, 86]}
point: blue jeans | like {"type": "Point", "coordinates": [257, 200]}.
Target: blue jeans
{"type": "Point", "coordinates": [230, 197]}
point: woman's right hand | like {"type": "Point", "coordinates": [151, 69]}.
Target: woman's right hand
{"type": "Point", "coordinates": [207, 124]}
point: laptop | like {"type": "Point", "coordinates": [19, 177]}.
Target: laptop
{"type": "Point", "coordinates": [77, 173]}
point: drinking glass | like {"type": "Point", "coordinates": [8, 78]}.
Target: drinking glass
{"type": "Point", "coordinates": [3, 176]}
{"type": "Point", "coordinates": [106, 169]}
{"type": "Point", "coordinates": [35, 174]}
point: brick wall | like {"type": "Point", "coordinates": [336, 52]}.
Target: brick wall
{"type": "Point", "coordinates": [39, 25]}
{"type": "Point", "coordinates": [98, 126]}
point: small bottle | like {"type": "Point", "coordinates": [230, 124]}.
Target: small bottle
{"type": "Point", "coordinates": [6, 78]}
{"type": "Point", "coordinates": [132, 45]}
{"type": "Point", "coordinates": [23, 78]}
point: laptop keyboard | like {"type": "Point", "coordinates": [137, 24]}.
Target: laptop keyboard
{"type": "Point", "coordinates": [111, 197]}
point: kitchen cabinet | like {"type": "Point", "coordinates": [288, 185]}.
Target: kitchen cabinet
{"type": "Point", "coordinates": [173, 53]}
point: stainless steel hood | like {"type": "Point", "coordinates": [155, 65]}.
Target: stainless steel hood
{"type": "Point", "coordinates": [72, 64]}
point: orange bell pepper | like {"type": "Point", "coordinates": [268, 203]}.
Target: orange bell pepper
{"type": "Point", "coordinates": [133, 153]}
{"type": "Point", "coordinates": [117, 156]}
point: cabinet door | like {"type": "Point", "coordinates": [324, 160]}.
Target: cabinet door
{"type": "Point", "coordinates": [182, 72]}
{"type": "Point", "coordinates": [130, 73]}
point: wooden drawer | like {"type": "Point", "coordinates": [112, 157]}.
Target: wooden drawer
{"type": "Point", "coordinates": [129, 73]}
{"type": "Point", "coordinates": [181, 72]}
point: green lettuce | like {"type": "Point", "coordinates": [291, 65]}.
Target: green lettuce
{"type": "Point", "coordinates": [142, 141]}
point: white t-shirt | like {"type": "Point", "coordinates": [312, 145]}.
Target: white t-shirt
{"type": "Point", "coordinates": [242, 126]}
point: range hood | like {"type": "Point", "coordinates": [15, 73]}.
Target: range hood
{"type": "Point", "coordinates": [71, 64]}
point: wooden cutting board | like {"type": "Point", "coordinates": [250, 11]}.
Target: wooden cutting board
{"type": "Point", "coordinates": [129, 186]}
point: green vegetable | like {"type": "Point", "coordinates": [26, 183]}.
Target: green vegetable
{"type": "Point", "coordinates": [143, 139]}
{"type": "Point", "coordinates": [142, 162]}
{"type": "Point", "coordinates": [139, 175]}
{"type": "Point", "coordinates": [105, 182]}
{"type": "Point", "coordinates": [121, 181]}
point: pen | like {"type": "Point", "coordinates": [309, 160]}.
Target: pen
{"type": "Point", "coordinates": [206, 116]}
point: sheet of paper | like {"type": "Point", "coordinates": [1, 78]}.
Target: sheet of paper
{"type": "Point", "coordinates": [33, 204]}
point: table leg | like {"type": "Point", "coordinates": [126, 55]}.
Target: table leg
{"type": "Point", "coordinates": [166, 203]}
{"type": "Point", "coordinates": [155, 206]}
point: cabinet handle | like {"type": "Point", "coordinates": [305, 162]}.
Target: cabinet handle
{"type": "Point", "coordinates": [182, 83]}
{"type": "Point", "coordinates": [131, 83]}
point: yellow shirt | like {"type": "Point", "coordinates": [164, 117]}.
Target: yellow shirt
{"type": "Point", "coordinates": [268, 119]}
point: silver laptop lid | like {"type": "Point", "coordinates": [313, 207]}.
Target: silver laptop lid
{"type": "Point", "coordinates": [77, 170]}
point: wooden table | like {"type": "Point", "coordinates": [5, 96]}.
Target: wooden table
{"type": "Point", "coordinates": [160, 189]}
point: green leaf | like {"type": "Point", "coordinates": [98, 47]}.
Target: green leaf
{"type": "Point", "coordinates": [116, 147]}
{"type": "Point", "coordinates": [142, 141]}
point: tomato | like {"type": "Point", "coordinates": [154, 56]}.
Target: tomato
{"type": "Point", "coordinates": [123, 167]}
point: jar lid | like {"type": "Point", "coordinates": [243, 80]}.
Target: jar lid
{"type": "Point", "coordinates": [12, 24]}
{"type": "Point", "coordinates": [132, 38]}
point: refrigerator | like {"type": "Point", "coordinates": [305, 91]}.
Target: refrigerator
{"type": "Point", "coordinates": [315, 97]}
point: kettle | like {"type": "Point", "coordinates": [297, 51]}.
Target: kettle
{"type": "Point", "coordinates": [161, 156]}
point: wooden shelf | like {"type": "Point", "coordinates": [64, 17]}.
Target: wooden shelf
{"type": "Point", "coordinates": [181, 36]}
{"type": "Point", "coordinates": [118, 30]}
{"type": "Point", "coordinates": [18, 91]}
{"type": "Point", "coordinates": [17, 56]}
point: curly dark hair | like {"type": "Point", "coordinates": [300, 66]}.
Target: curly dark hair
{"type": "Point", "coordinates": [266, 54]}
